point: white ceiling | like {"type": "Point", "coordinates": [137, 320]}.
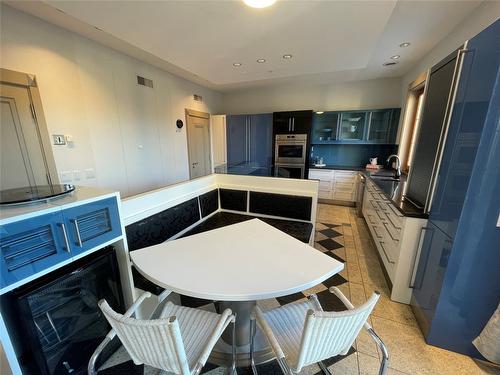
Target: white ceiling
{"type": "Point", "coordinates": [200, 40]}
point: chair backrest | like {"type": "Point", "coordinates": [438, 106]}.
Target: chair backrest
{"type": "Point", "coordinates": [156, 343]}
{"type": "Point", "coordinates": [327, 334]}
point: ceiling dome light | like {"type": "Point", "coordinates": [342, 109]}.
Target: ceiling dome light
{"type": "Point", "coordinates": [259, 3]}
{"type": "Point", "coordinates": [237, 64]}
{"type": "Point", "coordinates": [405, 44]}
{"type": "Point", "coordinates": [395, 57]}
{"type": "Point", "coordinates": [287, 57]}
{"type": "Point", "coordinates": [260, 61]}
{"type": "Point", "coordinates": [319, 112]}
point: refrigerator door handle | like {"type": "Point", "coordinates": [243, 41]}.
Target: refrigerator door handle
{"type": "Point", "coordinates": [444, 132]}
{"type": "Point", "coordinates": [416, 258]}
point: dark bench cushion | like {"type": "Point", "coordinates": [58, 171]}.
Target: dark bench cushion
{"type": "Point", "coordinates": [288, 206]}
{"type": "Point", "coordinates": [299, 230]}
{"type": "Point", "coordinates": [235, 200]}
{"type": "Point", "coordinates": [209, 202]}
{"type": "Point", "coordinates": [161, 226]}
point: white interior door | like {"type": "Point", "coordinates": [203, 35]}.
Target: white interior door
{"type": "Point", "coordinates": [198, 132]}
{"type": "Point", "coordinates": [219, 139]}
{"type": "Point", "coordinates": [22, 159]}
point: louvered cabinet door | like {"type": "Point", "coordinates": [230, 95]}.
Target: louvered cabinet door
{"type": "Point", "coordinates": [92, 224]}
{"type": "Point", "coordinates": [31, 246]}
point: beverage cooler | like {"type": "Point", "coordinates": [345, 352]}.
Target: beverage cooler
{"type": "Point", "coordinates": [56, 320]}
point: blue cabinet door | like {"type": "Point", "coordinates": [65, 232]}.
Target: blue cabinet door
{"type": "Point", "coordinates": [352, 125]}
{"type": "Point", "coordinates": [236, 139]}
{"type": "Point", "coordinates": [31, 246]}
{"type": "Point", "coordinates": [436, 250]}
{"type": "Point", "coordinates": [383, 126]}
{"type": "Point", "coordinates": [92, 224]}
{"type": "Point", "coordinates": [260, 139]}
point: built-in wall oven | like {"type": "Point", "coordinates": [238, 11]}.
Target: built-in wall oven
{"type": "Point", "coordinates": [290, 154]}
{"type": "Point", "coordinates": [290, 149]}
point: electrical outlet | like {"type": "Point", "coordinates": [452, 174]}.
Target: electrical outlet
{"type": "Point", "coordinates": [66, 176]}
{"type": "Point", "coordinates": [59, 139]}
{"type": "Point", "coordinates": [89, 173]}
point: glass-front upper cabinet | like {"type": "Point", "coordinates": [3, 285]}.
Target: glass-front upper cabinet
{"type": "Point", "coordinates": [383, 126]}
{"type": "Point", "coordinates": [325, 126]}
{"type": "Point", "coordinates": [352, 126]}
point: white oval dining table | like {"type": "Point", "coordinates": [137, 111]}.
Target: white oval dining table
{"type": "Point", "coordinates": [236, 265]}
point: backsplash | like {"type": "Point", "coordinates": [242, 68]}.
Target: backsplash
{"type": "Point", "coordinates": [354, 155]}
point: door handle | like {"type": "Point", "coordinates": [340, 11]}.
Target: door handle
{"type": "Point", "coordinates": [65, 235]}
{"type": "Point", "coordinates": [385, 253]}
{"type": "Point", "coordinates": [289, 124]}
{"type": "Point", "coordinates": [413, 276]}
{"type": "Point", "coordinates": [293, 124]}
{"type": "Point", "coordinates": [194, 164]}
{"type": "Point", "coordinates": [77, 230]}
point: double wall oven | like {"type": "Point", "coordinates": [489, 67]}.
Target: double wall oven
{"type": "Point", "coordinates": [290, 154]}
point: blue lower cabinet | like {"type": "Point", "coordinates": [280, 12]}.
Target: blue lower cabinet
{"type": "Point", "coordinates": [436, 250]}
{"type": "Point", "coordinates": [92, 224]}
{"type": "Point", "coordinates": [31, 246]}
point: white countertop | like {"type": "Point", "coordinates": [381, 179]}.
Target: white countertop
{"type": "Point", "coordinates": [246, 261]}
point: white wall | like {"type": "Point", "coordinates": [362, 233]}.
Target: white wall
{"type": "Point", "coordinates": [379, 93]}
{"type": "Point", "coordinates": [125, 132]}
{"type": "Point", "coordinates": [483, 16]}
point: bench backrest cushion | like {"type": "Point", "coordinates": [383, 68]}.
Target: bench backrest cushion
{"type": "Point", "coordinates": [286, 206]}
{"type": "Point", "coordinates": [160, 227]}
{"type": "Point", "coordinates": [209, 202]}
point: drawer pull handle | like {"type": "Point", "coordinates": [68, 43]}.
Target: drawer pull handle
{"type": "Point", "coordinates": [385, 253]}
{"type": "Point", "coordinates": [389, 218]}
{"type": "Point", "coordinates": [65, 235]}
{"type": "Point", "coordinates": [375, 230]}
{"type": "Point", "coordinates": [77, 230]}
{"type": "Point", "coordinates": [416, 258]}
{"type": "Point", "coordinates": [390, 234]}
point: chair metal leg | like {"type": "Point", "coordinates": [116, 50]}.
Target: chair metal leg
{"type": "Point", "coordinates": [253, 329]}
{"type": "Point", "coordinates": [323, 368]}
{"type": "Point", "coordinates": [385, 353]}
{"type": "Point", "coordinates": [233, 364]}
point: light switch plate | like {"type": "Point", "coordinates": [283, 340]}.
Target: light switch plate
{"type": "Point", "coordinates": [59, 139]}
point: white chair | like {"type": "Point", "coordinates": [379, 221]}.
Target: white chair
{"type": "Point", "coordinates": [301, 333]}
{"type": "Point", "coordinates": [179, 341]}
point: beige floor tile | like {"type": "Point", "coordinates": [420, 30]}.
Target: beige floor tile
{"type": "Point", "coordinates": [409, 352]}
{"type": "Point", "coordinates": [369, 365]}
{"type": "Point", "coordinates": [354, 272]}
{"type": "Point", "coordinates": [319, 236]}
{"type": "Point", "coordinates": [358, 296]}
{"type": "Point", "coordinates": [388, 309]}
{"type": "Point", "coordinates": [346, 366]}
{"type": "Point", "coordinates": [320, 226]}
{"type": "Point", "coordinates": [317, 246]}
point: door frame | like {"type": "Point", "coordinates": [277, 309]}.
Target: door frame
{"type": "Point", "coordinates": [204, 115]}
{"type": "Point", "coordinates": [28, 81]}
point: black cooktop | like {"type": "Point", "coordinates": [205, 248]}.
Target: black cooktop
{"type": "Point", "coordinates": [33, 193]}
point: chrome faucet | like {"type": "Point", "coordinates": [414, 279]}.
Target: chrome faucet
{"type": "Point", "coordinates": [398, 164]}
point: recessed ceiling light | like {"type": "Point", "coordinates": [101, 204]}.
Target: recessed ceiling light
{"type": "Point", "coordinates": [260, 61]}
{"type": "Point", "coordinates": [287, 57]}
{"type": "Point", "coordinates": [395, 57]}
{"type": "Point", "coordinates": [259, 3]}
{"type": "Point", "coordinates": [405, 44]}
{"type": "Point", "coordinates": [320, 112]}
{"type": "Point", "coordinates": [389, 63]}
{"type": "Point", "coordinates": [236, 64]}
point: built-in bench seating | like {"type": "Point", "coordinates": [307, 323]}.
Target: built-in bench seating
{"type": "Point", "coordinates": [215, 209]}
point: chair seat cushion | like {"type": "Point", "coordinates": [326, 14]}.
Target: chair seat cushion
{"type": "Point", "coordinates": [287, 324]}
{"type": "Point", "coordinates": [196, 327]}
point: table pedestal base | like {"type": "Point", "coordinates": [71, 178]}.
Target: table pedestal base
{"type": "Point", "coordinates": [222, 352]}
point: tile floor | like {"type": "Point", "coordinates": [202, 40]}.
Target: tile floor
{"type": "Point", "coordinates": [344, 236]}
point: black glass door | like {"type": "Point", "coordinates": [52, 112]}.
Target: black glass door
{"type": "Point", "coordinates": [290, 172]}
{"type": "Point", "coordinates": [290, 151]}
{"type": "Point", "coordinates": [63, 323]}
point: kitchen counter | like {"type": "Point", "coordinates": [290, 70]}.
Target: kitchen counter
{"type": "Point", "coordinates": [394, 191]}
{"type": "Point", "coordinates": [337, 167]}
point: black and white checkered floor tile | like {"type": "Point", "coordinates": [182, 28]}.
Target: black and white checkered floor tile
{"type": "Point", "coordinates": [329, 239]}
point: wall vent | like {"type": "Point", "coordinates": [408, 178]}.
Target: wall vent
{"type": "Point", "coordinates": [144, 81]}
{"type": "Point", "coordinates": [197, 98]}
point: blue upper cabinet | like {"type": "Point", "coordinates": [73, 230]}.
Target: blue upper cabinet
{"type": "Point", "coordinates": [32, 245]}
{"type": "Point", "coordinates": [325, 127]}
{"type": "Point", "coordinates": [366, 127]}
{"type": "Point", "coordinates": [352, 126]}
{"type": "Point", "coordinates": [236, 139]}
{"type": "Point", "coordinates": [92, 224]}
{"type": "Point", "coordinates": [260, 139]}
{"type": "Point", "coordinates": [383, 126]}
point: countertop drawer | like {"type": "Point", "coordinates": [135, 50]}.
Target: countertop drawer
{"type": "Point", "coordinates": [321, 175]}
{"type": "Point", "coordinates": [325, 185]}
